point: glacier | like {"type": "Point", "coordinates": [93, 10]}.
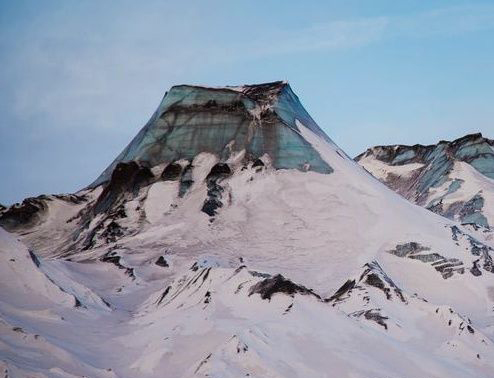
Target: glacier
{"type": "Point", "coordinates": [256, 119]}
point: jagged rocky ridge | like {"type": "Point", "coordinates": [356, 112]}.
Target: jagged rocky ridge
{"type": "Point", "coordinates": [211, 261]}
{"type": "Point", "coordinates": [454, 179]}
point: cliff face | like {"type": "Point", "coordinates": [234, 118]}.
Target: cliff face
{"type": "Point", "coordinates": [255, 120]}
{"type": "Point", "coordinates": [454, 179]}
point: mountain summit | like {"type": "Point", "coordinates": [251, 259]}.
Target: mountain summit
{"type": "Point", "coordinates": [257, 120]}
{"type": "Point", "coordinates": [233, 238]}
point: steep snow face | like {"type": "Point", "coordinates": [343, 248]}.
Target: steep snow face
{"type": "Point", "coordinates": [44, 313]}
{"type": "Point", "coordinates": [454, 179]}
{"type": "Point", "coordinates": [226, 265]}
{"type": "Point", "coordinates": [255, 119]}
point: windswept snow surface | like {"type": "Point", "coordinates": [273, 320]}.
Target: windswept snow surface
{"type": "Point", "coordinates": [208, 322]}
{"type": "Point", "coordinates": [292, 273]}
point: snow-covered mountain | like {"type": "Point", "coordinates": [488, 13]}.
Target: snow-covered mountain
{"type": "Point", "coordinates": [454, 179]}
{"type": "Point", "coordinates": [233, 238]}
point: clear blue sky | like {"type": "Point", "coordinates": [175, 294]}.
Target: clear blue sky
{"type": "Point", "coordinates": [78, 79]}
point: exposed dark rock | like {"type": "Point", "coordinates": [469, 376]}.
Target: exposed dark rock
{"type": "Point", "coordinates": [162, 262]}
{"type": "Point", "coordinates": [240, 268]}
{"type": "Point", "coordinates": [402, 250]}
{"type": "Point", "coordinates": [446, 266]}
{"type": "Point", "coordinates": [24, 214]}
{"type": "Point", "coordinates": [113, 258]}
{"type": "Point", "coordinates": [34, 258]}
{"type": "Point", "coordinates": [288, 309]}
{"type": "Point", "coordinates": [372, 315]}
{"type": "Point", "coordinates": [204, 271]}
{"type": "Point", "coordinates": [373, 275]}
{"type": "Point", "coordinates": [375, 316]}
{"type": "Point", "coordinates": [477, 248]}
{"type": "Point", "coordinates": [242, 347]}
{"type": "Point", "coordinates": [456, 232]}
{"type": "Point", "coordinates": [437, 208]}
{"type": "Point", "coordinates": [207, 297]}
{"type": "Point", "coordinates": [215, 190]}
{"type": "Point", "coordinates": [165, 293]}
{"type": "Point", "coordinates": [186, 181]}
{"type": "Point", "coordinates": [106, 303]}
{"type": "Point", "coordinates": [206, 275]}
{"type": "Point", "coordinates": [219, 170]}
{"type": "Point", "coordinates": [72, 198]}
{"type": "Point", "coordinates": [488, 263]}
{"type": "Point", "coordinates": [112, 232]}
{"type": "Point", "coordinates": [202, 363]}
{"type": "Point", "coordinates": [268, 117]}
{"type": "Point", "coordinates": [258, 163]}
{"type": "Point", "coordinates": [347, 287]}
{"type": "Point", "coordinates": [127, 178]}
{"type": "Point", "coordinates": [373, 279]}
{"type": "Point", "coordinates": [259, 274]}
{"type": "Point", "coordinates": [107, 228]}
{"type": "Point", "coordinates": [77, 302]}
{"type": "Point", "coordinates": [279, 284]}
{"type": "Point", "coordinates": [211, 205]}
{"type": "Point", "coordinates": [130, 273]}
{"type": "Point", "coordinates": [171, 172]}
{"type": "Point", "coordinates": [210, 106]}
{"type": "Point", "coordinates": [263, 93]}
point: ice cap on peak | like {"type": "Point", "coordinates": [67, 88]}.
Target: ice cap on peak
{"type": "Point", "coordinates": [258, 119]}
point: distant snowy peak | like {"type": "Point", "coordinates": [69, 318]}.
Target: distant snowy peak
{"type": "Point", "coordinates": [454, 179]}
{"type": "Point", "coordinates": [254, 120]}
{"type": "Point", "coordinates": [472, 148]}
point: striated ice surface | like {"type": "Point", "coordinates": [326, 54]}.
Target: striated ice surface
{"type": "Point", "coordinates": [404, 156]}
{"type": "Point", "coordinates": [257, 119]}
{"type": "Point", "coordinates": [485, 165]}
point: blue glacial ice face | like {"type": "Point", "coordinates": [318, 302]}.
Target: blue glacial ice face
{"type": "Point", "coordinates": [403, 157]}
{"type": "Point", "coordinates": [454, 186]}
{"type": "Point", "coordinates": [259, 119]}
{"type": "Point", "coordinates": [472, 211]}
{"type": "Point", "coordinates": [485, 165]}
{"type": "Point", "coordinates": [438, 170]}
{"type": "Point", "coordinates": [479, 154]}
{"type": "Point", "coordinates": [472, 150]}
{"type": "Point", "coordinates": [439, 159]}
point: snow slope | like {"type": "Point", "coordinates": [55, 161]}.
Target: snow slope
{"type": "Point", "coordinates": [229, 266]}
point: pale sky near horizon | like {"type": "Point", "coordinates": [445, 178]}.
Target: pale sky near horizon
{"type": "Point", "coordinates": [80, 78]}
